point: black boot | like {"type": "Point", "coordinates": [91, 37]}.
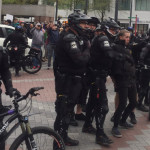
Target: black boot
{"type": "Point", "coordinates": [103, 140]}
{"type": "Point", "coordinates": [89, 129]}
{"type": "Point", "coordinates": [133, 118]}
{"type": "Point", "coordinates": [73, 122]}
{"type": "Point", "coordinates": [70, 142]}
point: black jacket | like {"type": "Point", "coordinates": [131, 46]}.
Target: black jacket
{"type": "Point", "coordinates": [72, 54]}
{"type": "Point", "coordinates": [123, 69]}
{"type": "Point", "coordinates": [101, 53]}
{"type": "Point", "coordinates": [16, 38]}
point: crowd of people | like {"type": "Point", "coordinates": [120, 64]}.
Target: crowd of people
{"type": "Point", "coordinates": [85, 52]}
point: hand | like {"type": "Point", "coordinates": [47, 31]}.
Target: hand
{"type": "Point", "coordinates": [13, 92]}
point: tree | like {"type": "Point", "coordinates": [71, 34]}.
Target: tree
{"type": "Point", "coordinates": [100, 7]}
{"type": "Point", "coordinates": [20, 2]}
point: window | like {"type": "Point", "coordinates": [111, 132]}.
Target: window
{"type": "Point", "coordinates": [125, 25]}
{"type": "Point", "coordinates": [124, 5]}
{"type": "Point", "coordinates": [9, 31]}
{"type": "Point", "coordinates": [142, 5]}
{"type": "Point", "coordinates": [1, 33]}
{"type": "Point", "coordinates": [141, 27]}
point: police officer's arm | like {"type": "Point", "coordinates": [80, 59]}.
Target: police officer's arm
{"type": "Point", "coordinates": [144, 52]}
{"type": "Point", "coordinates": [72, 48]}
{"type": "Point", "coordinates": [7, 40]}
{"type": "Point", "coordinates": [5, 74]}
{"type": "Point", "coordinates": [105, 46]}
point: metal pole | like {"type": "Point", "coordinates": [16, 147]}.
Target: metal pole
{"type": "Point", "coordinates": [56, 10]}
{"type": "Point", "coordinates": [116, 10]}
{"type": "Point", "coordinates": [0, 10]}
{"type": "Point", "coordinates": [86, 6]}
{"type": "Point", "coordinates": [131, 1]}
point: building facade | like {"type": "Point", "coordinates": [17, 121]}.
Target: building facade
{"type": "Point", "coordinates": [141, 8]}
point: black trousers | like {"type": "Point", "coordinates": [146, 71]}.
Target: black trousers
{"type": "Point", "coordinates": [68, 89]}
{"type": "Point", "coordinates": [123, 109]}
{"type": "Point", "coordinates": [144, 84]}
{"type": "Point", "coordinates": [97, 105]}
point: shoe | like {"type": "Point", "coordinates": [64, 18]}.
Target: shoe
{"type": "Point", "coordinates": [38, 66]}
{"type": "Point", "coordinates": [70, 142]}
{"type": "Point", "coordinates": [143, 108]}
{"type": "Point", "coordinates": [112, 119]}
{"type": "Point", "coordinates": [34, 67]}
{"type": "Point", "coordinates": [43, 60]}
{"type": "Point", "coordinates": [133, 118]}
{"type": "Point", "coordinates": [80, 117]}
{"type": "Point", "coordinates": [102, 140]}
{"type": "Point", "coordinates": [17, 75]}
{"type": "Point", "coordinates": [126, 125]}
{"type": "Point", "coordinates": [115, 132]}
{"type": "Point", "coordinates": [48, 68]}
{"type": "Point", "coordinates": [90, 129]}
{"type": "Point", "coordinates": [73, 122]}
{"type": "Point", "coordinates": [109, 140]}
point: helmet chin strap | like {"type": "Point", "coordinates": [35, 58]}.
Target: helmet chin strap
{"type": "Point", "coordinates": [111, 33]}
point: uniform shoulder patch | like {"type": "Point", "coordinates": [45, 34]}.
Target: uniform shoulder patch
{"type": "Point", "coordinates": [106, 44]}
{"type": "Point", "coordinates": [73, 45]}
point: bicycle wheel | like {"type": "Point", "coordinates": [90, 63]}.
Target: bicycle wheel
{"type": "Point", "coordinates": [31, 64]}
{"type": "Point", "coordinates": [44, 138]}
{"type": "Point", "coordinates": [148, 96]}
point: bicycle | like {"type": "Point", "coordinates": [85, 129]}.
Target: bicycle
{"type": "Point", "coordinates": [30, 63]}
{"type": "Point", "coordinates": [30, 138]}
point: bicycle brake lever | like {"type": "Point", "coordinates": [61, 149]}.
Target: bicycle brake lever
{"type": "Point", "coordinates": [35, 94]}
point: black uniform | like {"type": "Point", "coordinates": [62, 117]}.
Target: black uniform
{"type": "Point", "coordinates": [145, 74]}
{"type": "Point", "coordinates": [72, 56]}
{"type": "Point", "coordinates": [100, 64]}
{"type": "Point", "coordinates": [123, 73]}
{"type": "Point", "coordinates": [16, 38]}
{"type": "Point", "coordinates": [19, 40]}
{"type": "Point", "coordinates": [5, 76]}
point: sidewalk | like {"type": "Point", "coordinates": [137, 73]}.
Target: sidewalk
{"type": "Point", "coordinates": [137, 138]}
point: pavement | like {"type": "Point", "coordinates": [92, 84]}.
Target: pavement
{"type": "Point", "coordinates": [137, 138]}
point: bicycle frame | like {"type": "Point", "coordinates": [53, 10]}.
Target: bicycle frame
{"type": "Point", "coordinates": [6, 124]}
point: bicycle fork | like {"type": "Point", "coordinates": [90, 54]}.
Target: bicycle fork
{"type": "Point", "coordinates": [30, 142]}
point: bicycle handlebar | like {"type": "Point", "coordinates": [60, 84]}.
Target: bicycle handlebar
{"type": "Point", "coordinates": [30, 92]}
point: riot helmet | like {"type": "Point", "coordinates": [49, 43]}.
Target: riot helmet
{"type": "Point", "coordinates": [76, 19]}
{"type": "Point", "coordinates": [110, 27]}
{"type": "Point", "coordinates": [19, 29]}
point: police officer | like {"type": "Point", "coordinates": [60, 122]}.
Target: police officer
{"type": "Point", "coordinates": [72, 56]}
{"type": "Point", "coordinates": [5, 76]}
{"type": "Point", "coordinates": [144, 77]}
{"type": "Point", "coordinates": [100, 65]}
{"type": "Point", "coordinates": [18, 39]}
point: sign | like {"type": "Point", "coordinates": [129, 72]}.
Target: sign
{"type": "Point", "coordinates": [132, 17]}
{"type": "Point", "coordinates": [9, 17]}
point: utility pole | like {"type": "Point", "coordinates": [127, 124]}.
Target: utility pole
{"type": "Point", "coordinates": [116, 10]}
{"type": "Point", "coordinates": [56, 13]}
{"type": "Point", "coordinates": [131, 1]}
{"type": "Point", "coordinates": [86, 6]}
{"type": "Point", "coordinates": [0, 10]}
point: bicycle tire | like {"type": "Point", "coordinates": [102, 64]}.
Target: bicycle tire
{"type": "Point", "coordinates": [40, 130]}
{"type": "Point", "coordinates": [28, 64]}
{"type": "Point", "coordinates": [148, 96]}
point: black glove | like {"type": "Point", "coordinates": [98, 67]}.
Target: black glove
{"type": "Point", "coordinates": [13, 92]}
{"type": "Point", "coordinates": [141, 64]}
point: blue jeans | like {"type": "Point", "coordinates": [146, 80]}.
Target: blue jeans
{"type": "Point", "coordinates": [50, 49]}
{"type": "Point", "coordinates": [35, 62]}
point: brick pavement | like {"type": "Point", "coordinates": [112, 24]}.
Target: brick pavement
{"type": "Point", "coordinates": [133, 139]}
